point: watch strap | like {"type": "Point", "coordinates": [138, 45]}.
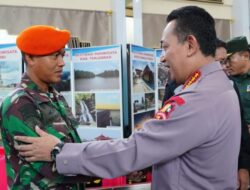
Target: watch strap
{"type": "Point", "coordinates": [56, 150]}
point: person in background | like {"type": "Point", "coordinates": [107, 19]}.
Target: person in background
{"type": "Point", "coordinates": [237, 66]}
{"type": "Point", "coordinates": [36, 103]}
{"type": "Point", "coordinates": [193, 141]}
{"type": "Point", "coordinates": [221, 51]}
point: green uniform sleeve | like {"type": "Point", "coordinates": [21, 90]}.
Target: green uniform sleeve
{"type": "Point", "coordinates": [20, 118]}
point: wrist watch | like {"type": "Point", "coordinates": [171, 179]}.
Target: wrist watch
{"type": "Point", "coordinates": [56, 150]}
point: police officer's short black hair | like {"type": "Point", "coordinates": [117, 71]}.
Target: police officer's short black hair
{"type": "Point", "coordinates": [193, 20]}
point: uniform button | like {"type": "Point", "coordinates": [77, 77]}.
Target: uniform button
{"type": "Point", "coordinates": [65, 162]}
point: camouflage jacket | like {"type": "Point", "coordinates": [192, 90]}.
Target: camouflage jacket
{"type": "Point", "coordinates": [21, 111]}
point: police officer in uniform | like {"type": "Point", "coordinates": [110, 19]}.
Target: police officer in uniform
{"type": "Point", "coordinates": [36, 103]}
{"type": "Point", "coordinates": [193, 141]}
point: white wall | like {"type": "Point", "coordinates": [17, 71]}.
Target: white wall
{"type": "Point", "coordinates": [241, 21]}
{"type": "Point", "coordinates": [218, 11]}
{"type": "Point", "coordinates": [101, 5]}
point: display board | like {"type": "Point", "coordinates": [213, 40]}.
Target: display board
{"type": "Point", "coordinates": [10, 68]}
{"type": "Point", "coordinates": [142, 84]}
{"type": "Point", "coordinates": [97, 102]}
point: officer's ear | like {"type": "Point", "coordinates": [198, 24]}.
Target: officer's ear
{"type": "Point", "coordinates": [29, 59]}
{"type": "Point", "coordinates": [192, 45]}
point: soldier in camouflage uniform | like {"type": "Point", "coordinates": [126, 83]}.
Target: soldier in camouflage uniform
{"type": "Point", "coordinates": [36, 103]}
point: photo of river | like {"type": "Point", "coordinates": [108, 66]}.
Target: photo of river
{"type": "Point", "coordinates": [101, 75]}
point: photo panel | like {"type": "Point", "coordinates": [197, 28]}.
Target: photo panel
{"type": "Point", "coordinates": [142, 82]}
{"type": "Point", "coordinates": [98, 91]}
{"type": "Point", "coordinates": [10, 68]}
{"type": "Point", "coordinates": [97, 68]}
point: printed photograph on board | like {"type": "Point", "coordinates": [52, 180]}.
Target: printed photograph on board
{"type": "Point", "coordinates": [143, 102]}
{"type": "Point", "coordinates": [85, 108]}
{"type": "Point", "coordinates": [108, 110]}
{"type": "Point", "coordinates": [97, 68]}
{"type": "Point", "coordinates": [94, 134]}
{"type": "Point", "coordinates": [143, 76]}
{"type": "Point", "coordinates": [149, 101]}
{"type": "Point", "coordinates": [138, 102]}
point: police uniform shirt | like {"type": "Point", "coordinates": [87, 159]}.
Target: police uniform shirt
{"type": "Point", "coordinates": [194, 146]}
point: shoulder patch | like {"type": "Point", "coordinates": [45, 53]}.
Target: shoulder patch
{"type": "Point", "coordinates": [169, 107]}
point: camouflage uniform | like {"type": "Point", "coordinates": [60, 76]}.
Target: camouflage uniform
{"type": "Point", "coordinates": [21, 111]}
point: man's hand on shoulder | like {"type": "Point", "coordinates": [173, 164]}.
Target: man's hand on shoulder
{"type": "Point", "coordinates": [37, 148]}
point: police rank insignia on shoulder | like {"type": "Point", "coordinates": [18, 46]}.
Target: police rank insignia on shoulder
{"type": "Point", "coordinates": [168, 107]}
{"type": "Point", "coordinates": [192, 79]}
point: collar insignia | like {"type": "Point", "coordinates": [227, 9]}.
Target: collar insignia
{"type": "Point", "coordinates": [192, 79]}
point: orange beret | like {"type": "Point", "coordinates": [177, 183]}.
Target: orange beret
{"type": "Point", "coordinates": [42, 40]}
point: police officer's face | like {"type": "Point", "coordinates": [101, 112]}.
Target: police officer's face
{"type": "Point", "coordinates": [238, 63]}
{"type": "Point", "coordinates": [47, 69]}
{"type": "Point", "coordinates": [174, 54]}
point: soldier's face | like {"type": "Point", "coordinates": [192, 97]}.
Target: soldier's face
{"type": "Point", "coordinates": [238, 63]}
{"type": "Point", "coordinates": [174, 54]}
{"type": "Point", "coordinates": [48, 69]}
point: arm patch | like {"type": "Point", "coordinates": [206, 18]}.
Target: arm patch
{"type": "Point", "coordinates": [169, 107]}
